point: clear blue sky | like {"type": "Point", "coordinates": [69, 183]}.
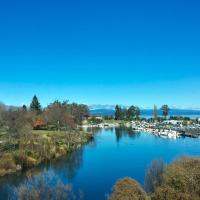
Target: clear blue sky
{"type": "Point", "coordinates": [101, 52]}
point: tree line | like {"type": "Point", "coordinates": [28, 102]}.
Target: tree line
{"type": "Point", "coordinates": [133, 112]}
{"type": "Point", "coordinates": [56, 116]}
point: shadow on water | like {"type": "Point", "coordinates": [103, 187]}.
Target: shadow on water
{"type": "Point", "coordinates": [65, 168]}
{"type": "Point", "coordinates": [121, 132]}
{"type": "Point", "coordinates": [94, 130]}
{"type": "Point", "coordinates": [69, 165]}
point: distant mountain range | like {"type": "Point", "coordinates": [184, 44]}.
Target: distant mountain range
{"type": "Point", "coordinates": [110, 111]}
{"type": "Point", "coordinates": [112, 107]}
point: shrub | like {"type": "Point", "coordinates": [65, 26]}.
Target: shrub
{"type": "Point", "coordinates": [181, 180]}
{"type": "Point", "coordinates": [169, 193]}
{"type": "Point", "coordinates": [7, 164]}
{"type": "Point", "coordinates": [178, 181]}
{"type": "Point", "coordinates": [128, 189]}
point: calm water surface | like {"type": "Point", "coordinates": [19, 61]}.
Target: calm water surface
{"type": "Point", "coordinates": [113, 154]}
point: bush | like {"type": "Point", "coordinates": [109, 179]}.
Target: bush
{"type": "Point", "coordinates": [181, 180]}
{"type": "Point", "coordinates": [178, 181]}
{"type": "Point", "coordinates": [7, 164]}
{"type": "Point", "coordinates": [128, 189]}
{"type": "Point", "coordinates": [168, 193]}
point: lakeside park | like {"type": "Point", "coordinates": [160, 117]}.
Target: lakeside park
{"type": "Point", "coordinates": [63, 135]}
{"type": "Point", "coordinates": [99, 100]}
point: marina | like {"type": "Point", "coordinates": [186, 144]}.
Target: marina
{"type": "Point", "coordinates": [166, 129]}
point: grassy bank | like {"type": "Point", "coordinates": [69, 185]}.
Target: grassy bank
{"type": "Point", "coordinates": [39, 146]}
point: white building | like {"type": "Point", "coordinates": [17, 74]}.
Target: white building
{"type": "Point", "coordinates": [173, 122]}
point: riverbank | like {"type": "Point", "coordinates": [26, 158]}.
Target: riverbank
{"type": "Point", "coordinates": [37, 147]}
{"type": "Point", "coordinates": [130, 151]}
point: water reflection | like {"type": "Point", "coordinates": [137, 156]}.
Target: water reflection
{"type": "Point", "coordinates": [106, 162]}
{"type": "Point", "coordinates": [94, 130]}
{"type": "Point", "coordinates": [70, 164]}
{"type": "Point", "coordinates": [66, 168]}
{"type": "Point", "coordinates": [121, 132]}
{"type": "Point", "coordinates": [47, 185]}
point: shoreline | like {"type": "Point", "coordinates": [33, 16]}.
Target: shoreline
{"type": "Point", "coordinates": [46, 147]}
{"type": "Point", "coordinates": [164, 129]}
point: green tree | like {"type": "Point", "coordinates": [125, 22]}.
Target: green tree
{"type": "Point", "coordinates": [137, 112]}
{"type": "Point", "coordinates": [35, 105]}
{"type": "Point", "coordinates": [124, 114]}
{"type": "Point", "coordinates": [24, 108]}
{"type": "Point", "coordinates": [165, 110]}
{"type": "Point", "coordinates": [133, 112]}
{"type": "Point", "coordinates": [118, 112]}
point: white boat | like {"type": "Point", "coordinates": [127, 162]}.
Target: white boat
{"type": "Point", "coordinates": [168, 134]}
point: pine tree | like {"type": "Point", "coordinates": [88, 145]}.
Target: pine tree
{"type": "Point", "coordinates": [118, 112]}
{"type": "Point", "coordinates": [35, 105]}
{"type": "Point", "coordinates": [131, 113]}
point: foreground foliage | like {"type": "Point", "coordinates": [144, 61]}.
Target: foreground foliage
{"type": "Point", "coordinates": [179, 181]}
{"type": "Point", "coordinates": [128, 189]}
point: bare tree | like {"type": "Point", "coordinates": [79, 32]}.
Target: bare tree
{"type": "Point", "coordinates": [153, 175]}
{"type": "Point", "coordinates": [46, 186]}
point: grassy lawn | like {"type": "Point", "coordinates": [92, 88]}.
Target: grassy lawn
{"type": "Point", "coordinates": [113, 121]}
{"type": "Point", "coordinates": [46, 132]}
{"type": "Point", "coordinates": [109, 121]}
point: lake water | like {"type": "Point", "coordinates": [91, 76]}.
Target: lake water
{"type": "Point", "coordinates": [115, 153]}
